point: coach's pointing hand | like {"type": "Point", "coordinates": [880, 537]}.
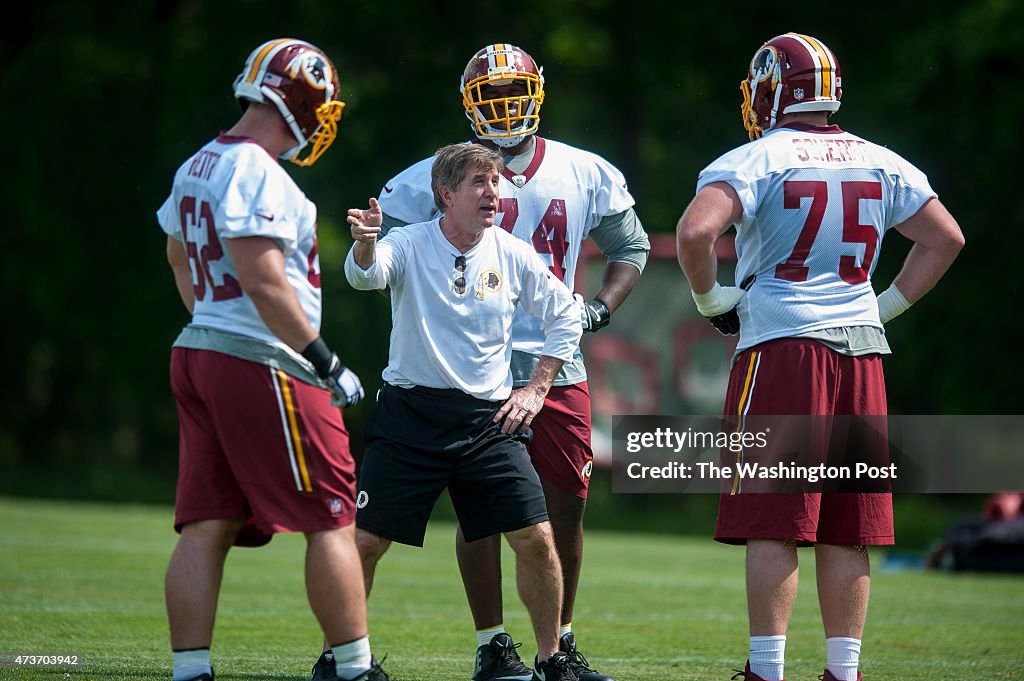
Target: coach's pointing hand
{"type": "Point", "coordinates": [366, 223]}
{"type": "Point", "coordinates": [365, 229]}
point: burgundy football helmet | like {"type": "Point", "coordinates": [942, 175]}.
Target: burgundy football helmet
{"type": "Point", "coordinates": [789, 73]}
{"type": "Point", "coordinates": [302, 83]}
{"type": "Point", "coordinates": [506, 117]}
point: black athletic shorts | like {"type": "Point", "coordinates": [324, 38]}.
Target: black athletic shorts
{"type": "Point", "coordinates": [421, 440]}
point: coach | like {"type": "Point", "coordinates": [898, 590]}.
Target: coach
{"type": "Point", "coordinates": [447, 415]}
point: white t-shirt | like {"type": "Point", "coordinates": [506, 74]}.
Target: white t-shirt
{"type": "Point", "coordinates": [440, 339]}
{"type": "Point", "coordinates": [816, 203]}
{"type": "Point", "coordinates": [234, 188]}
{"type": "Point", "coordinates": [553, 205]}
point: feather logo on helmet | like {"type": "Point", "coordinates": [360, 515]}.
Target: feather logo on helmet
{"type": "Point", "coordinates": [314, 70]}
{"type": "Point", "coordinates": [765, 64]}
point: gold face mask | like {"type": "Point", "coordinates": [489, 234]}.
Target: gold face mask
{"type": "Point", "coordinates": [505, 105]}
{"type": "Point", "coordinates": [327, 115]}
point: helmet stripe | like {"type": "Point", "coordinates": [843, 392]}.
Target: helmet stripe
{"type": "Point", "coordinates": [262, 58]}
{"type": "Point", "coordinates": [500, 60]}
{"type": "Point", "coordinates": [801, 40]}
{"type": "Point", "coordinates": [826, 72]}
{"type": "Point", "coordinates": [828, 69]}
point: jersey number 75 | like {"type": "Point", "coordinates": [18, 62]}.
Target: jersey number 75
{"type": "Point", "coordinates": [793, 268]}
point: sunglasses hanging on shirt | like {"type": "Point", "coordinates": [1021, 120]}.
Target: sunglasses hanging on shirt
{"type": "Point", "coordinates": [459, 282]}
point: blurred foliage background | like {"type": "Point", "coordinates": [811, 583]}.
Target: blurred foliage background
{"type": "Point", "coordinates": [105, 100]}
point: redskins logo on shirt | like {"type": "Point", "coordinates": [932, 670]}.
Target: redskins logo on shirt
{"type": "Point", "coordinates": [490, 282]}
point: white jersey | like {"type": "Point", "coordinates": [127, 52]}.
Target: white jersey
{"type": "Point", "coordinates": [816, 203]}
{"type": "Point", "coordinates": [443, 339]}
{"type": "Point", "coordinates": [553, 205]}
{"type": "Point", "coordinates": [234, 188]}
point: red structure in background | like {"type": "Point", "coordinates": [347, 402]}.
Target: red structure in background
{"type": "Point", "coordinates": [658, 356]}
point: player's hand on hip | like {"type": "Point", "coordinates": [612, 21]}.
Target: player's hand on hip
{"type": "Point", "coordinates": [518, 411]}
{"type": "Point", "coordinates": [366, 223]}
{"type": "Point", "coordinates": [718, 306]}
{"type": "Point", "coordinates": [594, 315]}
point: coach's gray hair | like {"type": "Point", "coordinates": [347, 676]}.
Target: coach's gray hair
{"type": "Point", "coordinates": [451, 163]}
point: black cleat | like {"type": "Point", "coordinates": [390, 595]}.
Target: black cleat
{"type": "Point", "coordinates": [324, 670]}
{"type": "Point", "coordinates": [374, 673]}
{"type": "Point", "coordinates": [499, 661]}
{"type": "Point", "coordinates": [578, 663]}
{"type": "Point", "coordinates": [557, 668]}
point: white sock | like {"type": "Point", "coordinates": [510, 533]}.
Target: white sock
{"type": "Point", "coordinates": [188, 664]}
{"type": "Point", "coordinates": [353, 658]}
{"type": "Point", "coordinates": [564, 629]}
{"type": "Point", "coordinates": [484, 636]}
{"type": "Point", "coordinates": [842, 656]}
{"type": "Point", "coordinates": [768, 656]}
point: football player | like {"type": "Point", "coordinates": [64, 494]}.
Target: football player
{"type": "Point", "coordinates": [264, 448]}
{"type": "Point", "coordinates": [810, 203]}
{"type": "Point", "coordinates": [553, 196]}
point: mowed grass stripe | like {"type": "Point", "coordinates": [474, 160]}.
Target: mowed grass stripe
{"type": "Point", "coordinates": [88, 579]}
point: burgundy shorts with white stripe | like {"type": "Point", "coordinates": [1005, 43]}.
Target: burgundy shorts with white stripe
{"type": "Point", "coordinates": [561, 450]}
{"type": "Point", "coordinates": [258, 443]}
{"type": "Point", "coordinates": [794, 376]}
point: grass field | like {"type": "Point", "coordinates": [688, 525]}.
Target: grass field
{"type": "Point", "coordinates": [86, 579]}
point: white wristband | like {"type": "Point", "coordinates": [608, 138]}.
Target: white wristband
{"type": "Point", "coordinates": [891, 304]}
{"type": "Point", "coordinates": [718, 300]}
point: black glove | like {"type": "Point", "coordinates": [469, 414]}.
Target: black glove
{"type": "Point", "coordinates": [594, 315]}
{"type": "Point", "coordinates": [346, 390]}
{"type": "Point", "coordinates": [727, 323]}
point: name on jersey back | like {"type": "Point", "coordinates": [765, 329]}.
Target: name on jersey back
{"type": "Point", "coordinates": [829, 150]}
{"type": "Point", "coordinates": [203, 164]}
